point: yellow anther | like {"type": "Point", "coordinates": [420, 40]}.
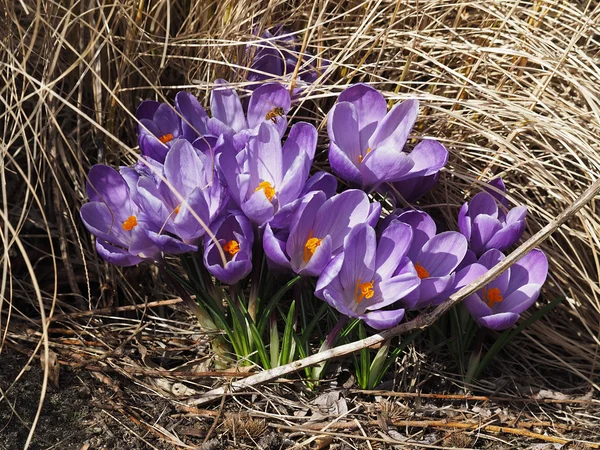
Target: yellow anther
{"type": "Point", "coordinates": [363, 290]}
{"type": "Point", "coordinates": [166, 138]}
{"type": "Point", "coordinates": [310, 247]}
{"type": "Point", "coordinates": [130, 223]}
{"type": "Point", "coordinates": [421, 271]}
{"type": "Point", "coordinates": [492, 296]}
{"type": "Point", "coordinates": [177, 208]}
{"type": "Point", "coordinates": [267, 188]}
{"type": "Point", "coordinates": [231, 247]}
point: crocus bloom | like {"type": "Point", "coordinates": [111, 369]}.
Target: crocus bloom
{"type": "Point", "coordinates": [235, 235]}
{"type": "Point", "coordinates": [499, 304]}
{"type": "Point", "coordinates": [320, 227]}
{"type": "Point", "coordinates": [159, 125]}
{"type": "Point", "coordinates": [486, 226]}
{"type": "Point", "coordinates": [366, 141]}
{"type": "Point", "coordinates": [368, 275]}
{"type": "Point", "coordinates": [277, 57]}
{"type": "Point", "coordinates": [265, 177]}
{"type": "Point", "coordinates": [189, 198]}
{"type": "Point", "coordinates": [435, 257]}
{"type": "Point", "coordinates": [428, 157]}
{"type": "Point", "coordinates": [269, 103]}
{"type": "Point", "coordinates": [115, 220]}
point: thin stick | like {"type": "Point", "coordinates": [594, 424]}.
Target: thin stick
{"type": "Point", "coordinates": [422, 321]}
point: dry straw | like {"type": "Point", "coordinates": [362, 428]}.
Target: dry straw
{"type": "Point", "coordinates": [512, 88]}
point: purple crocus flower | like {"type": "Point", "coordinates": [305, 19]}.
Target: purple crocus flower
{"type": "Point", "coordinates": [159, 125]}
{"type": "Point", "coordinates": [188, 198]}
{"type": "Point", "coordinates": [265, 177]}
{"type": "Point", "coordinates": [235, 235]}
{"type": "Point", "coordinates": [115, 220]}
{"type": "Point", "coordinates": [269, 103]}
{"type": "Point", "coordinates": [499, 304]}
{"type": "Point", "coordinates": [320, 227]}
{"type": "Point", "coordinates": [428, 157]}
{"type": "Point", "coordinates": [368, 275]}
{"type": "Point", "coordinates": [366, 141]}
{"type": "Point", "coordinates": [277, 56]}
{"type": "Point", "coordinates": [435, 257]}
{"type": "Point", "coordinates": [486, 226]}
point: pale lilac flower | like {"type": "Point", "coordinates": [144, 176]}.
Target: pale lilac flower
{"type": "Point", "coordinates": [369, 275]}
{"type": "Point", "coordinates": [499, 304]}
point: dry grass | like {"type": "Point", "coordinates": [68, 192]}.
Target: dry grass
{"type": "Point", "coordinates": [512, 88]}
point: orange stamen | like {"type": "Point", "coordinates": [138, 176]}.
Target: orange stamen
{"type": "Point", "coordinates": [231, 247]}
{"type": "Point", "coordinates": [492, 296]}
{"type": "Point", "coordinates": [361, 157]}
{"type": "Point", "coordinates": [365, 289]}
{"type": "Point", "coordinates": [267, 188]}
{"type": "Point", "coordinates": [310, 247]}
{"type": "Point", "coordinates": [421, 271]}
{"type": "Point", "coordinates": [177, 209]}
{"type": "Point", "coordinates": [166, 138]}
{"type": "Point", "coordinates": [130, 223]}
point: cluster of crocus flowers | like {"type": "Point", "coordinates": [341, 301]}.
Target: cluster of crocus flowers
{"type": "Point", "coordinates": [239, 179]}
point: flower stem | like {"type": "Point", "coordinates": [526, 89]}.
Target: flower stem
{"type": "Point", "coordinates": [257, 260]}
{"type": "Point", "coordinates": [475, 358]}
{"type": "Point", "coordinates": [329, 342]}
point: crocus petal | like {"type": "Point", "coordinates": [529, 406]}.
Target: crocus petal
{"type": "Point", "coordinates": [342, 166]}
{"type": "Point", "coordinates": [319, 260]}
{"type": "Point", "coordinates": [392, 248]}
{"type": "Point", "coordinates": [359, 256]}
{"type": "Point", "coordinates": [169, 244]}
{"type": "Point", "coordinates": [393, 130]}
{"type": "Point", "coordinates": [116, 255]}
{"type": "Point", "coordinates": [303, 228]}
{"type": "Point", "coordinates": [152, 202]}
{"type": "Point", "coordinates": [107, 185]}
{"type": "Point", "coordinates": [382, 320]}
{"type": "Point", "coordinates": [483, 204]}
{"type": "Point", "coordinates": [517, 214]}
{"type": "Point", "coordinates": [423, 227]}
{"type": "Point", "coordinates": [321, 181]}
{"type": "Point", "coordinates": [432, 291]}
{"type": "Point", "coordinates": [443, 253]}
{"type": "Point", "coordinates": [292, 184]}
{"type": "Point", "coordinates": [233, 271]}
{"type": "Point", "coordinates": [499, 322]}
{"type": "Point", "coordinates": [275, 248]}
{"type": "Point", "coordinates": [330, 276]}
{"type": "Point", "coordinates": [146, 109]}
{"type": "Point", "coordinates": [507, 236]}
{"type": "Point", "coordinates": [370, 107]}
{"type": "Point", "coordinates": [464, 221]}
{"type": "Point", "coordinates": [263, 103]}
{"type": "Point", "coordinates": [468, 274]}
{"type": "Point", "coordinates": [482, 230]}
{"type": "Point", "coordinates": [226, 106]}
{"type": "Point", "coordinates": [167, 120]}
{"type": "Point", "coordinates": [265, 157]}
{"type": "Point", "coordinates": [531, 268]}
{"type": "Point", "coordinates": [374, 214]}
{"type": "Point", "coordinates": [384, 164]}
{"type": "Point", "coordinates": [258, 208]}
{"type": "Point", "coordinates": [342, 127]}
{"type": "Point", "coordinates": [476, 307]}
{"type": "Point", "coordinates": [141, 245]}
{"type": "Point", "coordinates": [302, 140]}
{"type": "Point", "coordinates": [193, 217]}
{"type": "Point", "coordinates": [340, 213]}
{"type": "Point", "coordinates": [398, 287]}
{"type": "Point", "coordinates": [490, 259]}
{"type": "Point", "coordinates": [497, 190]}
{"type": "Point", "coordinates": [519, 300]}
{"type": "Point", "coordinates": [193, 114]}
{"type": "Point", "coordinates": [428, 156]}
{"type": "Point", "coordinates": [184, 169]}
{"type": "Point", "coordinates": [100, 221]}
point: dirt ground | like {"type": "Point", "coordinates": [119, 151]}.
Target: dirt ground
{"type": "Point", "coordinates": [88, 411]}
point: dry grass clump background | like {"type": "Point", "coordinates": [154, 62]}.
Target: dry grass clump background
{"type": "Point", "coordinates": [512, 88]}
